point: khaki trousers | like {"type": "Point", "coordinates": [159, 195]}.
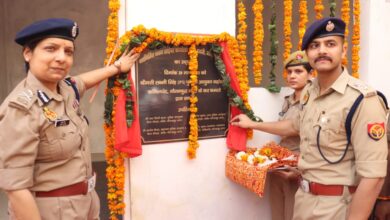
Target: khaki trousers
{"type": "Point", "coordinates": [80, 207]}
{"type": "Point", "coordinates": [282, 194]}
{"type": "Point", "coordinates": [310, 207]}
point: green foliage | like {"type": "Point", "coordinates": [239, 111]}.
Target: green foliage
{"type": "Point", "coordinates": [235, 100]}
{"type": "Point", "coordinates": [274, 51]}
{"type": "Point", "coordinates": [332, 8]}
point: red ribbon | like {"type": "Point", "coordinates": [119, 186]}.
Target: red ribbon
{"type": "Point", "coordinates": [127, 140]}
{"type": "Point", "coordinates": [237, 137]}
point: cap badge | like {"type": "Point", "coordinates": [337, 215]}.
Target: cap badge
{"type": "Point", "coordinates": [329, 26]}
{"type": "Point", "coordinates": [299, 57]}
{"type": "Point", "coordinates": [74, 30]}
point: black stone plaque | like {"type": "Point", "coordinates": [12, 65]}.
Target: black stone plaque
{"type": "Point", "coordinates": [162, 80]}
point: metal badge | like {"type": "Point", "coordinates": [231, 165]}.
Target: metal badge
{"type": "Point", "coordinates": [306, 98]}
{"type": "Point", "coordinates": [49, 114]}
{"type": "Point", "coordinates": [74, 30]}
{"type": "Point", "coordinates": [305, 185]}
{"type": "Point", "coordinates": [329, 26]}
{"type": "Point", "coordinates": [92, 183]}
{"type": "Point", "coordinates": [61, 122]}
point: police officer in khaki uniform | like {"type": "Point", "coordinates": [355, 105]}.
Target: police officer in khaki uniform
{"type": "Point", "coordinates": [340, 178]}
{"type": "Point", "coordinates": [284, 184]}
{"type": "Point", "coordinates": [45, 161]}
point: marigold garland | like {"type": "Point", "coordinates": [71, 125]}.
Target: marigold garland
{"type": "Point", "coordinates": [345, 17]}
{"type": "Point", "coordinates": [303, 19]}
{"type": "Point", "coordinates": [288, 5]}
{"type": "Point", "coordinates": [258, 37]}
{"type": "Point", "coordinates": [115, 168]}
{"type": "Point", "coordinates": [318, 7]}
{"type": "Point", "coordinates": [193, 122]}
{"type": "Point", "coordinates": [356, 39]}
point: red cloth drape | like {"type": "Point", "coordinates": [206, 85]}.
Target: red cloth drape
{"type": "Point", "coordinates": [237, 137]}
{"type": "Point", "coordinates": [127, 140]}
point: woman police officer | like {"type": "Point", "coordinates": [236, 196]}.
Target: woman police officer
{"type": "Point", "coordinates": [284, 184]}
{"type": "Point", "coordinates": [45, 161]}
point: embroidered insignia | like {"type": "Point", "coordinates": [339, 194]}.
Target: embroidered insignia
{"type": "Point", "coordinates": [74, 30]}
{"type": "Point", "coordinates": [49, 114]}
{"type": "Point", "coordinates": [376, 130]}
{"type": "Point", "coordinates": [43, 97]}
{"type": "Point", "coordinates": [330, 26]}
{"type": "Point", "coordinates": [306, 98]}
{"type": "Point", "coordinates": [299, 57]}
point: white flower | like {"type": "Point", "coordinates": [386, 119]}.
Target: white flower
{"type": "Point", "coordinates": [268, 162]}
{"type": "Point", "coordinates": [257, 153]}
{"type": "Point", "coordinates": [240, 155]}
{"type": "Point", "coordinates": [251, 159]}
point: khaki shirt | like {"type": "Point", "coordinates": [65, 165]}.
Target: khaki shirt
{"type": "Point", "coordinates": [290, 110]}
{"type": "Point", "coordinates": [366, 157]}
{"type": "Point", "coordinates": [34, 153]}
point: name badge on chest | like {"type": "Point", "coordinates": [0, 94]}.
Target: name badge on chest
{"type": "Point", "coordinates": [61, 122]}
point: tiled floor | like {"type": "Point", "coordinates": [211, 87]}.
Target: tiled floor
{"type": "Point", "coordinates": [101, 189]}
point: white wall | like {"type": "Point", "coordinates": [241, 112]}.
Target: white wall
{"type": "Point", "coordinates": [375, 46]}
{"type": "Point", "coordinates": [164, 184]}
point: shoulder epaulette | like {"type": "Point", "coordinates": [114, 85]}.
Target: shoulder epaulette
{"type": "Point", "coordinates": [70, 82]}
{"type": "Point", "coordinates": [24, 100]}
{"type": "Point", "coordinates": [362, 88]}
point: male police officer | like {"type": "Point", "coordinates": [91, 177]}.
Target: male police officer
{"type": "Point", "coordinates": [340, 178]}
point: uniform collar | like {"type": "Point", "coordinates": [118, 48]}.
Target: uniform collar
{"type": "Point", "coordinates": [339, 85]}
{"type": "Point", "coordinates": [290, 99]}
{"type": "Point", "coordinates": [34, 84]}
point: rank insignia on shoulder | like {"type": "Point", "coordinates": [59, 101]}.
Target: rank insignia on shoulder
{"type": "Point", "coordinates": [61, 122]}
{"type": "Point", "coordinates": [376, 130]}
{"type": "Point", "coordinates": [305, 98]}
{"type": "Point", "coordinates": [49, 114]}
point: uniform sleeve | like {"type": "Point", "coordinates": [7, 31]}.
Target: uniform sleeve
{"type": "Point", "coordinates": [80, 85]}
{"type": "Point", "coordinates": [18, 148]}
{"type": "Point", "coordinates": [386, 186]}
{"type": "Point", "coordinates": [370, 154]}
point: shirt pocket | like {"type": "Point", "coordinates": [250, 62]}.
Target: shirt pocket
{"type": "Point", "coordinates": [330, 132]}
{"type": "Point", "coordinates": [60, 142]}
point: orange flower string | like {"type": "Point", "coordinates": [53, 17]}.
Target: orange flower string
{"type": "Point", "coordinates": [356, 39]}
{"type": "Point", "coordinates": [303, 19]}
{"type": "Point", "coordinates": [112, 27]}
{"type": "Point", "coordinates": [258, 37]}
{"type": "Point", "coordinates": [318, 7]}
{"type": "Point", "coordinates": [345, 17]}
{"type": "Point", "coordinates": [193, 136]}
{"type": "Point", "coordinates": [288, 4]}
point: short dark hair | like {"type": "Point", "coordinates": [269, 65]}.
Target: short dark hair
{"type": "Point", "coordinates": [308, 67]}
{"type": "Point", "coordinates": [30, 45]}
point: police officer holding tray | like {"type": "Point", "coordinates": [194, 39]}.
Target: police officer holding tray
{"type": "Point", "coordinates": [343, 145]}
{"type": "Point", "coordinates": [283, 183]}
{"type": "Point", "coordinates": [45, 161]}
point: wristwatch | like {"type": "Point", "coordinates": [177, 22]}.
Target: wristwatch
{"type": "Point", "coordinates": [117, 64]}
